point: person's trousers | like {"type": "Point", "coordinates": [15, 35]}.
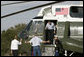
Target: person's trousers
{"type": "Point", "coordinates": [56, 53]}
{"type": "Point", "coordinates": [36, 50]}
{"type": "Point", "coordinates": [51, 35]}
{"type": "Point", "coordinates": [15, 52]}
{"type": "Point", "coordinates": [31, 51]}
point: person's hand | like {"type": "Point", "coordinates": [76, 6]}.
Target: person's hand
{"type": "Point", "coordinates": [48, 41]}
{"type": "Point", "coordinates": [21, 40]}
{"type": "Point", "coordinates": [25, 41]}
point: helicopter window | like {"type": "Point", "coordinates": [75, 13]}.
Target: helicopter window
{"type": "Point", "coordinates": [80, 30]}
{"type": "Point", "coordinates": [76, 29]}
{"type": "Point", "coordinates": [76, 12]}
{"type": "Point", "coordinates": [36, 27]}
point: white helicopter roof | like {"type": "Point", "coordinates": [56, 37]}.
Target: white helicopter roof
{"type": "Point", "coordinates": [61, 18]}
{"type": "Point", "coordinates": [53, 7]}
{"type": "Point", "coordinates": [63, 4]}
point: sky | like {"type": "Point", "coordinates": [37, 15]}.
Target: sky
{"type": "Point", "coordinates": [24, 17]}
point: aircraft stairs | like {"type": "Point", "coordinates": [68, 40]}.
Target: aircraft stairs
{"type": "Point", "coordinates": [48, 49]}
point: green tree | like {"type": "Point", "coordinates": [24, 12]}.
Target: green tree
{"type": "Point", "coordinates": [7, 36]}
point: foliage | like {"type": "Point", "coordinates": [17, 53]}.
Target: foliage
{"type": "Point", "coordinates": [7, 36]}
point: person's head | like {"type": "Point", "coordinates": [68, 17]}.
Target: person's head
{"type": "Point", "coordinates": [15, 37]}
{"type": "Point", "coordinates": [49, 22]}
{"type": "Point", "coordinates": [56, 38]}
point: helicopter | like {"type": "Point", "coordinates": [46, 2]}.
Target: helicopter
{"type": "Point", "coordinates": [69, 25]}
{"type": "Point", "coordinates": [69, 21]}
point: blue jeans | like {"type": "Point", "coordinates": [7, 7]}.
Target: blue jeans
{"type": "Point", "coordinates": [56, 53]}
{"type": "Point", "coordinates": [36, 49]}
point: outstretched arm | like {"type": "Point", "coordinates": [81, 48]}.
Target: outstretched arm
{"type": "Point", "coordinates": [20, 42]}
{"type": "Point", "coordinates": [45, 41]}
{"type": "Point", "coordinates": [27, 42]}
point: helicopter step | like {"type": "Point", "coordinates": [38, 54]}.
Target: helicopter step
{"type": "Point", "coordinates": [48, 50]}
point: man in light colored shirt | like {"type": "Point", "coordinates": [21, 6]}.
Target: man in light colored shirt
{"type": "Point", "coordinates": [36, 41]}
{"type": "Point", "coordinates": [50, 26]}
{"type": "Point", "coordinates": [50, 29]}
{"type": "Point", "coordinates": [14, 46]}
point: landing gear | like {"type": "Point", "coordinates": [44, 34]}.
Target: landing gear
{"type": "Point", "coordinates": [65, 53]}
{"type": "Point", "coordinates": [71, 53]}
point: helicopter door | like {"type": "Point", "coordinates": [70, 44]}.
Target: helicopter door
{"type": "Point", "coordinates": [46, 31]}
